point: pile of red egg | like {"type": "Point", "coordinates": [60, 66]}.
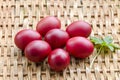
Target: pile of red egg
{"type": "Point", "coordinates": [50, 41]}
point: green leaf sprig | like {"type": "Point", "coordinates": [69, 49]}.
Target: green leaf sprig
{"type": "Point", "coordinates": [104, 44]}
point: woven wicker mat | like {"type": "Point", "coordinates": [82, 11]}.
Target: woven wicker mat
{"type": "Point", "coordinates": [15, 15]}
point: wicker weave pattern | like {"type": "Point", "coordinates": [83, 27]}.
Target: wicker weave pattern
{"type": "Point", "coordinates": [15, 15]}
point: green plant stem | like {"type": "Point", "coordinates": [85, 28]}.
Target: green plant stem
{"type": "Point", "coordinates": [96, 56]}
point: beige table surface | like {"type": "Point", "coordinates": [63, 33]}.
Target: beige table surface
{"type": "Point", "coordinates": [16, 15]}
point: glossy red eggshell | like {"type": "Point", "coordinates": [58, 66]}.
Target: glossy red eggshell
{"type": "Point", "coordinates": [58, 59]}
{"type": "Point", "coordinates": [79, 47]}
{"type": "Point", "coordinates": [37, 51]}
{"type": "Point", "coordinates": [57, 38]}
{"type": "Point", "coordinates": [47, 24]}
{"type": "Point", "coordinates": [79, 28]}
{"type": "Point", "coordinates": [24, 37]}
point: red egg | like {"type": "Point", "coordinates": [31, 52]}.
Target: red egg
{"type": "Point", "coordinates": [79, 28]}
{"type": "Point", "coordinates": [79, 47]}
{"type": "Point", "coordinates": [57, 38]}
{"type": "Point", "coordinates": [58, 59]}
{"type": "Point", "coordinates": [47, 24]}
{"type": "Point", "coordinates": [24, 37]}
{"type": "Point", "coordinates": [37, 51]}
